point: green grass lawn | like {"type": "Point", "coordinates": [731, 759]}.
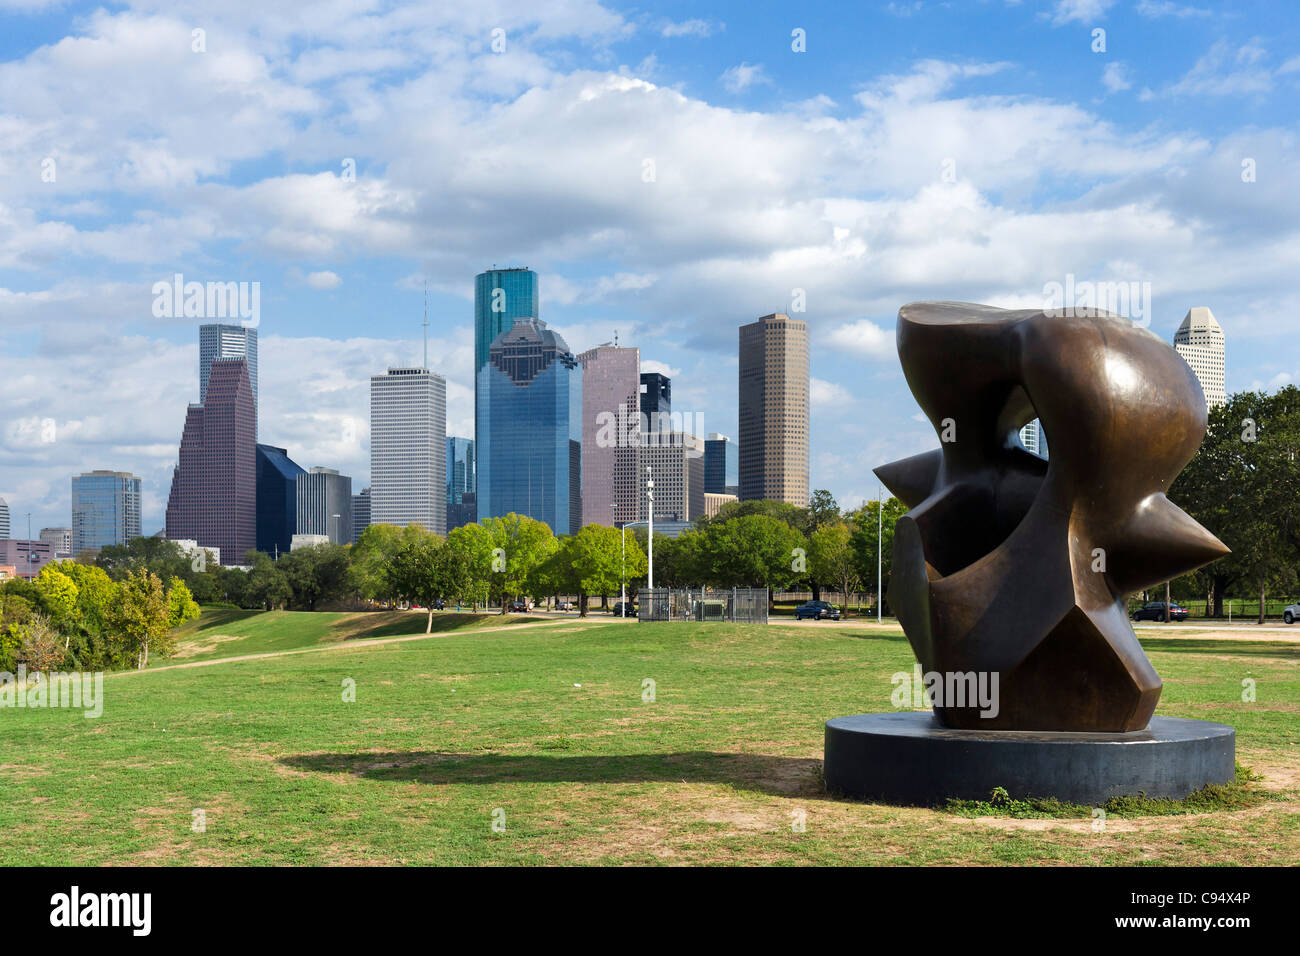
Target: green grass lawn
{"type": "Point", "coordinates": [224, 632]}
{"type": "Point", "coordinates": [446, 730]}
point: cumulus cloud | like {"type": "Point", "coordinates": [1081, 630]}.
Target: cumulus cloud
{"type": "Point", "coordinates": [323, 280]}
{"type": "Point", "coordinates": [864, 337]}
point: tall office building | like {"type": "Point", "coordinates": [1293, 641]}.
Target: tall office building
{"type": "Point", "coordinates": [408, 449]}
{"type": "Point", "coordinates": [1034, 438]}
{"type": "Point", "coordinates": [277, 500]}
{"type": "Point", "coordinates": [105, 509]}
{"type": "Point", "coordinates": [220, 341]}
{"type": "Point", "coordinates": [4, 519]}
{"type": "Point", "coordinates": [721, 466]}
{"type": "Point", "coordinates": [213, 498]}
{"type": "Point", "coordinates": [611, 431]}
{"type": "Point", "coordinates": [657, 401]}
{"type": "Point", "coordinates": [500, 297]}
{"type": "Point", "coordinates": [530, 428]}
{"type": "Point", "coordinates": [1199, 340]}
{"type": "Point", "coordinates": [676, 461]}
{"type": "Point", "coordinates": [325, 504]}
{"type": "Point", "coordinates": [461, 502]}
{"type": "Point", "coordinates": [60, 539]}
{"type": "Point", "coordinates": [360, 513]}
{"type": "Point", "coordinates": [773, 409]}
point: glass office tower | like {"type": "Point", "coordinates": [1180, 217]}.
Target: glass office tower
{"type": "Point", "coordinates": [721, 466]}
{"type": "Point", "coordinates": [105, 509]}
{"type": "Point", "coordinates": [500, 297]}
{"type": "Point", "coordinates": [277, 500]}
{"type": "Point", "coordinates": [529, 398]}
{"type": "Point", "coordinates": [461, 508]}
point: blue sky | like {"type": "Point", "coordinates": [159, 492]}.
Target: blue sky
{"type": "Point", "coordinates": [973, 151]}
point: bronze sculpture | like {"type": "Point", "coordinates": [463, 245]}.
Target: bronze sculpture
{"type": "Point", "coordinates": [1012, 565]}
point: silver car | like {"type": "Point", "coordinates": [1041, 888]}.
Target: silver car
{"type": "Point", "coordinates": [1291, 613]}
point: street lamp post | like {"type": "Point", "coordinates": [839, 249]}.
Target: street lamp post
{"type": "Point", "coordinates": [880, 543]}
{"type": "Point", "coordinates": [650, 537]}
{"type": "Point", "coordinates": [622, 574]}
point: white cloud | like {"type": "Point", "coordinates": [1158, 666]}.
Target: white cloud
{"type": "Point", "coordinates": [1227, 70]}
{"type": "Point", "coordinates": [1080, 11]}
{"type": "Point", "coordinates": [739, 78]}
{"type": "Point", "coordinates": [1154, 9]}
{"type": "Point", "coordinates": [323, 280]}
{"type": "Point", "coordinates": [829, 394]}
{"type": "Point", "coordinates": [1114, 76]}
{"type": "Point", "coordinates": [689, 28]}
{"type": "Point", "coordinates": [663, 368]}
{"type": "Point", "coordinates": [864, 337]}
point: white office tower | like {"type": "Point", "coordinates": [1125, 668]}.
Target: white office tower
{"type": "Point", "coordinates": [219, 341]}
{"type": "Point", "coordinates": [4, 520]}
{"type": "Point", "coordinates": [1199, 340]}
{"type": "Point", "coordinates": [408, 449]}
{"type": "Point", "coordinates": [1034, 438]}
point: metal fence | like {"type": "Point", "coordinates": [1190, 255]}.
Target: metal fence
{"type": "Point", "coordinates": [738, 606]}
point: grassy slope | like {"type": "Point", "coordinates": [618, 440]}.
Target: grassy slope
{"type": "Point", "coordinates": [221, 632]}
{"type": "Point", "coordinates": [445, 731]}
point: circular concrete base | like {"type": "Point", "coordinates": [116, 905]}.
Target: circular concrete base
{"type": "Point", "coordinates": [909, 757]}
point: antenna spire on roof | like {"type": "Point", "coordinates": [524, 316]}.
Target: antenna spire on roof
{"type": "Point", "coordinates": [426, 324]}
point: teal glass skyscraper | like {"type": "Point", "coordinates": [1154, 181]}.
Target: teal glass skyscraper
{"type": "Point", "coordinates": [529, 397]}
{"type": "Point", "coordinates": [500, 297]}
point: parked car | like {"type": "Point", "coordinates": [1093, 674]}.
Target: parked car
{"type": "Point", "coordinates": [439, 605]}
{"type": "Point", "coordinates": [1291, 613]}
{"type": "Point", "coordinates": [518, 607]}
{"type": "Point", "coordinates": [1155, 611]}
{"type": "Point", "coordinates": [566, 606]}
{"type": "Point", "coordinates": [817, 610]}
{"type": "Point", "coordinates": [623, 610]}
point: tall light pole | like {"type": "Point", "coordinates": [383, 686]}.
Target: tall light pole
{"type": "Point", "coordinates": [880, 544]}
{"type": "Point", "coordinates": [622, 574]}
{"type": "Point", "coordinates": [650, 537]}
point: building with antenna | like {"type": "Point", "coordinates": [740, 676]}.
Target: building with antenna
{"type": "Point", "coordinates": [408, 449]}
{"type": "Point", "coordinates": [529, 449]}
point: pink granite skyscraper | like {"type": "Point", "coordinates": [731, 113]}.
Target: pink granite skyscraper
{"type": "Point", "coordinates": [611, 386]}
{"type": "Point", "coordinates": [214, 488]}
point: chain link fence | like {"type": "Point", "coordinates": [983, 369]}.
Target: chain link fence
{"type": "Point", "coordinates": [737, 606]}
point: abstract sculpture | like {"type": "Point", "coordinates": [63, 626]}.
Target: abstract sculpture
{"type": "Point", "coordinates": [1013, 565]}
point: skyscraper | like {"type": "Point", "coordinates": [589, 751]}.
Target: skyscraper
{"type": "Point", "coordinates": [611, 429]}
{"type": "Point", "coordinates": [461, 482]}
{"type": "Point", "coordinates": [220, 341]}
{"type": "Point", "coordinates": [325, 504]}
{"type": "Point", "coordinates": [677, 463]}
{"type": "Point", "coordinates": [105, 509]}
{"type": "Point", "coordinates": [721, 466]}
{"type": "Point", "coordinates": [656, 401]}
{"type": "Point", "coordinates": [1034, 438]}
{"type": "Point", "coordinates": [277, 499]}
{"type": "Point", "coordinates": [360, 513]}
{"type": "Point", "coordinates": [213, 497]}
{"type": "Point", "coordinates": [4, 519]}
{"type": "Point", "coordinates": [500, 297]}
{"type": "Point", "coordinates": [1199, 340]}
{"type": "Point", "coordinates": [60, 539]}
{"type": "Point", "coordinates": [408, 449]}
{"type": "Point", "coordinates": [773, 409]}
{"type": "Point", "coordinates": [530, 428]}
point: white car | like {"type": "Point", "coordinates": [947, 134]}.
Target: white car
{"type": "Point", "coordinates": [1291, 613]}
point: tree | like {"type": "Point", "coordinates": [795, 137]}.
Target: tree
{"type": "Point", "coordinates": [419, 573]}
{"type": "Point", "coordinates": [315, 574]}
{"type": "Point", "coordinates": [96, 591]}
{"type": "Point", "coordinates": [39, 644]}
{"type": "Point", "coordinates": [752, 551]}
{"type": "Point", "coordinates": [373, 553]}
{"type": "Point", "coordinates": [831, 557]}
{"type": "Point", "coordinates": [469, 563]}
{"type": "Point", "coordinates": [59, 599]}
{"type": "Point", "coordinates": [866, 537]}
{"type": "Point", "coordinates": [267, 587]}
{"type": "Point", "coordinates": [180, 604]}
{"type": "Point", "coordinates": [1243, 485]}
{"type": "Point", "coordinates": [822, 509]}
{"type": "Point", "coordinates": [595, 558]}
{"type": "Point", "coordinates": [140, 617]}
{"type": "Point", "coordinates": [521, 544]}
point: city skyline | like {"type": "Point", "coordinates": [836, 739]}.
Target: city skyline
{"type": "Point", "coordinates": [855, 175]}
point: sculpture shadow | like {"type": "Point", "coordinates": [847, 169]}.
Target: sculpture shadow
{"type": "Point", "coordinates": [778, 776]}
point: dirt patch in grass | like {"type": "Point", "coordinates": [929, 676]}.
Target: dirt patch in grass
{"type": "Point", "coordinates": [209, 642]}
